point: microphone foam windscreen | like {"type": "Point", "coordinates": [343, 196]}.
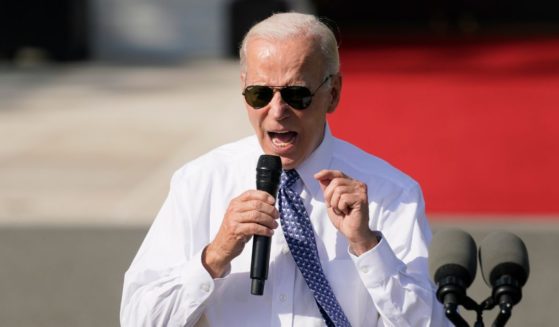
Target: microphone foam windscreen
{"type": "Point", "coordinates": [453, 253]}
{"type": "Point", "coordinates": [503, 253]}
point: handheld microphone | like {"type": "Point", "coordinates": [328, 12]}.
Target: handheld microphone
{"type": "Point", "coordinates": [268, 172]}
{"type": "Point", "coordinates": [504, 266]}
{"type": "Point", "coordinates": [453, 264]}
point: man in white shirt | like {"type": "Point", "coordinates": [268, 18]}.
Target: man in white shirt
{"type": "Point", "coordinates": [367, 217]}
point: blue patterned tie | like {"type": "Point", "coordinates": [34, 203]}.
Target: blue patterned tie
{"type": "Point", "coordinates": [299, 235]}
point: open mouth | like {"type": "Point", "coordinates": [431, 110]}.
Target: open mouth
{"type": "Point", "coordinates": [282, 139]}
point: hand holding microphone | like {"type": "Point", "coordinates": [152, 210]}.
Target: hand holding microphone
{"type": "Point", "coordinates": [251, 213]}
{"type": "Point", "coordinates": [268, 172]}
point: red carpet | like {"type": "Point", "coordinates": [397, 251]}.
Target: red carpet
{"type": "Point", "coordinates": [476, 124]}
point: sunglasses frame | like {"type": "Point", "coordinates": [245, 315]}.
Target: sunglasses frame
{"type": "Point", "coordinates": [281, 90]}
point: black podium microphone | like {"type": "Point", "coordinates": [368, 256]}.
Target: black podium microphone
{"type": "Point", "coordinates": [268, 172]}
{"type": "Point", "coordinates": [505, 268]}
{"type": "Point", "coordinates": [453, 265]}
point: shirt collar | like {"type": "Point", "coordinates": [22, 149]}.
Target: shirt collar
{"type": "Point", "coordinates": [319, 159]}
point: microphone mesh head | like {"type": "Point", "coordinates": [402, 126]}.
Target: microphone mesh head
{"type": "Point", "coordinates": [453, 253]}
{"type": "Point", "coordinates": [269, 162]}
{"type": "Point", "coordinates": [503, 253]}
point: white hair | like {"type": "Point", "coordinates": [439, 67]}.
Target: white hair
{"type": "Point", "coordinates": [283, 26]}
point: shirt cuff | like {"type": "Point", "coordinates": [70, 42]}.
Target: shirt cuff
{"type": "Point", "coordinates": [197, 281]}
{"type": "Point", "coordinates": [378, 264]}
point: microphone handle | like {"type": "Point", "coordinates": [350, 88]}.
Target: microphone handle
{"type": "Point", "coordinates": [259, 265]}
{"type": "Point", "coordinates": [261, 245]}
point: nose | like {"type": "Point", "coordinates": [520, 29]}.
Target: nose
{"type": "Point", "coordinates": [279, 109]}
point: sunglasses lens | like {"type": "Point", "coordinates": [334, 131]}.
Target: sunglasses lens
{"type": "Point", "coordinates": [299, 97]}
{"type": "Point", "coordinates": [258, 96]}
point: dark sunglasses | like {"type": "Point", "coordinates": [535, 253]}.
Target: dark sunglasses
{"type": "Point", "coordinates": [298, 97]}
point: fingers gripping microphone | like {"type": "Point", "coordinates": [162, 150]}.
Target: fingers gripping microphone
{"type": "Point", "coordinates": [505, 268]}
{"type": "Point", "coordinates": [268, 172]}
{"type": "Point", "coordinates": [453, 264]}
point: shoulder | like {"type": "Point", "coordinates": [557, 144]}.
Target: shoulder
{"type": "Point", "coordinates": [369, 168]}
{"type": "Point", "coordinates": [222, 161]}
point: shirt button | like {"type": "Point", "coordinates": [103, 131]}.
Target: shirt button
{"type": "Point", "coordinates": [365, 269]}
{"type": "Point", "coordinates": [285, 249]}
{"type": "Point", "coordinates": [205, 287]}
{"type": "Point", "coordinates": [283, 298]}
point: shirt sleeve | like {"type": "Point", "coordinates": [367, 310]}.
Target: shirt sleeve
{"type": "Point", "coordinates": [395, 271]}
{"type": "Point", "coordinates": [166, 284]}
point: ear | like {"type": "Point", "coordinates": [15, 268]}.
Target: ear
{"type": "Point", "coordinates": [335, 92]}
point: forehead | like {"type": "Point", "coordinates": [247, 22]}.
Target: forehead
{"type": "Point", "coordinates": [292, 59]}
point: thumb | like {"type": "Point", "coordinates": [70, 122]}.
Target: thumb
{"type": "Point", "coordinates": [324, 183]}
{"type": "Point", "coordinates": [323, 179]}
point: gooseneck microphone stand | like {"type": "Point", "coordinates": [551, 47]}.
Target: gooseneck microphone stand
{"type": "Point", "coordinates": [505, 310]}
{"type": "Point", "coordinates": [505, 291]}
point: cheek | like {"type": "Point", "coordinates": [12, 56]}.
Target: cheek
{"type": "Point", "coordinates": [315, 118]}
{"type": "Point", "coordinates": [253, 117]}
{"type": "Point", "coordinates": [314, 127]}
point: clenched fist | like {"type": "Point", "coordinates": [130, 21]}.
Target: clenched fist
{"type": "Point", "coordinates": [348, 208]}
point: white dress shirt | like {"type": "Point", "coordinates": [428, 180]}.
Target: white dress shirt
{"type": "Point", "coordinates": [167, 285]}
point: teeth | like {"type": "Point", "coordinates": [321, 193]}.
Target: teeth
{"type": "Point", "coordinates": [282, 139]}
{"type": "Point", "coordinates": [279, 143]}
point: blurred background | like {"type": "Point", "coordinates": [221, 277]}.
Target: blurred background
{"type": "Point", "coordinates": [101, 101]}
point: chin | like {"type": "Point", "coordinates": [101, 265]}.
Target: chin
{"type": "Point", "coordinates": [288, 163]}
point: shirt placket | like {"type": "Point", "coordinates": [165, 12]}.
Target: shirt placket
{"type": "Point", "coordinates": [283, 273]}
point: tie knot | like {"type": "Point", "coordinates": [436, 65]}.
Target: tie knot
{"type": "Point", "coordinates": [288, 178]}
